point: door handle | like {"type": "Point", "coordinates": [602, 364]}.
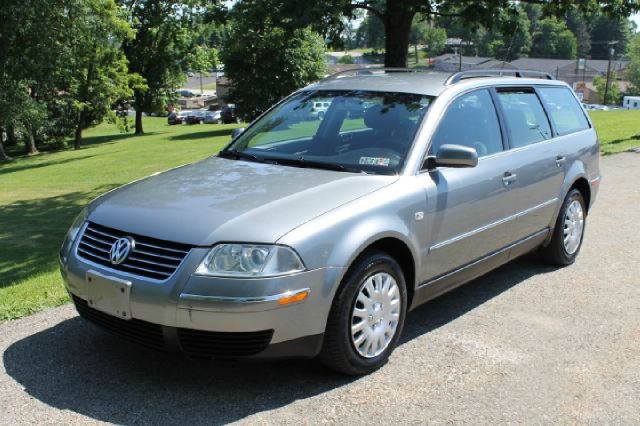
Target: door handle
{"type": "Point", "coordinates": [509, 178]}
{"type": "Point", "coordinates": [560, 160]}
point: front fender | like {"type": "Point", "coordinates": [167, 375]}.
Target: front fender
{"type": "Point", "coordinates": [337, 238]}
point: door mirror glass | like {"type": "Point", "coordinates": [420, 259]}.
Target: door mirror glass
{"type": "Point", "coordinates": [237, 132]}
{"type": "Point", "coordinates": [450, 155]}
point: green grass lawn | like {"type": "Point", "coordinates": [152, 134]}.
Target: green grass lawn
{"type": "Point", "coordinates": [618, 130]}
{"type": "Point", "coordinates": [41, 195]}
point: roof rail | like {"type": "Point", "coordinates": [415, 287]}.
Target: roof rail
{"type": "Point", "coordinates": [371, 70]}
{"type": "Point", "coordinates": [463, 75]}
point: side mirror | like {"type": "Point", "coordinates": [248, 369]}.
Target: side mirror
{"type": "Point", "coordinates": [453, 156]}
{"type": "Point", "coordinates": [237, 132]}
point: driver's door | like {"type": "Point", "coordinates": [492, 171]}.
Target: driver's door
{"type": "Point", "coordinates": [471, 211]}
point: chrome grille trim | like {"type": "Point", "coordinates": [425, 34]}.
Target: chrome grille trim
{"type": "Point", "coordinates": [151, 258]}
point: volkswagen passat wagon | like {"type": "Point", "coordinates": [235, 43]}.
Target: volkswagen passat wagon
{"type": "Point", "coordinates": [315, 238]}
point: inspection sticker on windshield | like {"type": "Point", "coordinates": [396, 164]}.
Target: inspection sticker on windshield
{"type": "Point", "coordinates": [374, 161]}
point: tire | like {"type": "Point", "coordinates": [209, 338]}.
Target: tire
{"type": "Point", "coordinates": [320, 115]}
{"type": "Point", "coordinates": [201, 122]}
{"type": "Point", "coordinates": [349, 352]}
{"type": "Point", "coordinates": [559, 252]}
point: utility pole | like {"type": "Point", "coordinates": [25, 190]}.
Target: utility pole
{"type": "Point", "coordinates": [612, 52]}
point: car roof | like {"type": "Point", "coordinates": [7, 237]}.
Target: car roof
{"type": "Point", "coordinates": [430, 83]}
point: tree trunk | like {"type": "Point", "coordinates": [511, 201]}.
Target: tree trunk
{"type": "Point", "coordinates": [3, 155]}
{"type": "Point", "coordinates": [30, 142]}
{"type": "Point", "coordinates": [78, 138]}
{"type": "Point", "coordinates": [11, 136]}
{"type": "Point", "coordinates": [397, 24]}
{"type": "Point", "coordinates": [139, 130]}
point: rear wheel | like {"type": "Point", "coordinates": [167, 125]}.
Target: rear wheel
{"type": "Point", "coordinates": [367, 316]}
{"type": "Point", "coordinates": [568, 232]}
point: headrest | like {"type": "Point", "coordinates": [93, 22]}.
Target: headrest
{"type": "Point", "coordinates": [386, 117]}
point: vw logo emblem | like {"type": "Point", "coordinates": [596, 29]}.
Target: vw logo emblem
{"type": "Point", "coordinates": [120, 250]}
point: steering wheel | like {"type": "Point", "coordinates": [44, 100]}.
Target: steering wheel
{"type": "Point", "coordinates": [388, 144]}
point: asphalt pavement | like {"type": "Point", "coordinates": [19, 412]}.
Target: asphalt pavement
{"type": "Point", "coordinates": [526, 343]}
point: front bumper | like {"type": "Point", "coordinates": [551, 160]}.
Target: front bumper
{"type": "Point", "coordinates": [192, 310]}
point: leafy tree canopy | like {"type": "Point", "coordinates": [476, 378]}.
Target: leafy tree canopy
{"type": "Point", "coordinates": [265, 61]}
{"type": "Point", "coordinates": [553, 40]}
{"type": "Point", "coordinates": [397, 15]}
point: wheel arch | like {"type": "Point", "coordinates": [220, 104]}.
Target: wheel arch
{"type": "Point", "coordinates": [582, 185]}
{"type": "Point", "coordinates": [399, 250]}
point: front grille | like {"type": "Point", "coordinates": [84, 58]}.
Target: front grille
{"type": "Point", "coordinates": [137, 331]}
{"type": "Point", "coordinates": [209, 344]}
{"type": "Point", "coordinates": [151, 258]}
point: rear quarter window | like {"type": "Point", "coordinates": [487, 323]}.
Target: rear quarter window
{"type": "Point", "coordinates": [564, 110]}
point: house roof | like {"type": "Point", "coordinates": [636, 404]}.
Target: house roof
{"type": "Point", "coordinates": [542, 64]}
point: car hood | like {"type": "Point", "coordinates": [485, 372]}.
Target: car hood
{"type": "Point", "coordinates": [227, 200]}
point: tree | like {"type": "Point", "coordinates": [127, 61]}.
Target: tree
{"type": "Point", "coordinates": [578, 26]}
{"type": "Point", "coordinates": [423, 32]}
{"type": "Point", "coordinates": [633, 71]}
{"type": "Point", "coordinates": [606, 30]}
{"type": "Point", "coordinates": [553, 40]}
{"type": "Point", "coordinates": [613, 94]}
{"type": "Point", "coordinates": [397, 15]}
{"type": "Point", "coordinates": [97, 68]}
{"type": "Point", "coordinates": [33, 58]}
{"type": "Point", "coordinates": [163, 31]}
{"type": "Point", "coordinates": [509, 42]}
{"type": "Point", "coordinates": [370, 33]}
{"type": "Point", "coordinates": [60, 65]}
{"type": "Point", "coordinates": [266, 62]}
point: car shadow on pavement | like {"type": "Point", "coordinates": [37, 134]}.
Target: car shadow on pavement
{"type": "Point", "coordinates": [73, 366]}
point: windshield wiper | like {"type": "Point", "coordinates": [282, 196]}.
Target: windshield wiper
{"type": "Point", "coordinates": [301, 162]}
{"type": "Point", "coordinates": [233, 153]}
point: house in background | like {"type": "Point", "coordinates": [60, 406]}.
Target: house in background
{"type": "Point", "coordinates": [578, 73]}
{"type": "Point", "coordinates": [631, 102]}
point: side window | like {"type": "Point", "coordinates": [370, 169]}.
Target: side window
{"type": "Point", "coordinates": [565, 112]}
{"type": "Point", "coordinates": [470, 120]}
{"type": "Point", "coordinates": [525, 117]}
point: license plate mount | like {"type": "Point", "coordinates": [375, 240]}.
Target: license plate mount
{"type": "Point", "coordinates": [110, 295]}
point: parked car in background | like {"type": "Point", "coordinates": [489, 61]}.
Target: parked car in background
{"type": "Point", "coordinates": [316, 238]}
{"type": "Point", "coordinates": [186, 93]}
{"type": "Point", "coordinates": [177, 117]}
{"type": "Point", "coordinates": [213, 117]}
{"type": "Point", "coordinates": [318, 109]}
{"type": "Point", "coordinates": [196, 117]}
{"type": "Point", "coordinates": [228, 114]}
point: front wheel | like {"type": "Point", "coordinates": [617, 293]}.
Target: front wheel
{"type": "Point", "coordinates": [569, 231]}
{"type": "Point", "coordinates": [367, 316]}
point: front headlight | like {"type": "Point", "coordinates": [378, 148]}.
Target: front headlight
{"type": "Point", "coordinates": [250, 260]}
{"type": "Point", "coordinates": [72, 234]}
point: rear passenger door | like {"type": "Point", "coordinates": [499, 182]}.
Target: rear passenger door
{"type": "Point", "coordinates": [470, 209]}
{"type": "Point", "coordinates": [538, 160]}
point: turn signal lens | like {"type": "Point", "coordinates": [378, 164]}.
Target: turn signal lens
{"type": "Point", "coordinates": [299, 297]}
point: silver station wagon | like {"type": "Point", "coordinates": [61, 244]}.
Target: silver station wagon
{"type": "Point", "coordinates": [315, 236]}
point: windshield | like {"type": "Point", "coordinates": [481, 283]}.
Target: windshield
{"type": "Point", "coordinates": [354, 131]}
